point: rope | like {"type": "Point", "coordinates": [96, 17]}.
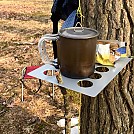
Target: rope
{"type": "Point", "coordinates": [79, 12]}
{"type": "Point", "coordinates": [81, 16]}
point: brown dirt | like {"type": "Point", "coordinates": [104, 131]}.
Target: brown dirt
{"type": "Point", "coordinates": [22, 23]}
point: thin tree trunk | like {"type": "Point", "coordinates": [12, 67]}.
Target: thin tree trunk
{"type": "Point", "coordinates": [67, 110]}
{"type": "Point", "coordinates": [112, 111]}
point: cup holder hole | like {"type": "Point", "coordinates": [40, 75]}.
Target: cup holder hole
{"type": "Point", "coordinates": [102, 69]}
{"type": "Point", "coordinates": [95, 76]}
{"type": "Point", "coordinates": [85, 83]}
{"type": "Point", "coordinates": [50, 72]}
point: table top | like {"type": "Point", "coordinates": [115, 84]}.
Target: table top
{"type": "Point", "coordinates": [93, 86]}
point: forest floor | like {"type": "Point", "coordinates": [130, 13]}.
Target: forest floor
{"type": "Point", "coordinates": [22, 24]}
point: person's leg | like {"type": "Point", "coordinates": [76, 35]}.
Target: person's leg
{"type": "Point", "coordinates": [55, 30]}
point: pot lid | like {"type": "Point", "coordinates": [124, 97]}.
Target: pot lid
{"type": "Point", "coordinates": [78, 33]}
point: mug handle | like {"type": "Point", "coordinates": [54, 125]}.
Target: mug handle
{"type": "Point", "coordinates": [42, 48]}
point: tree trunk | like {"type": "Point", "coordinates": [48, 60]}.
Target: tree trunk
{"type": "Point", "coordinates": [67, 110]}
{"type": "Point", "coordinates": [112, 111]}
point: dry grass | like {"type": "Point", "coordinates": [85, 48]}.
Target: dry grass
{"type": "Point", "coordinates": [26, 21]}
{"type": "Point", "coordinates": [26, 7]}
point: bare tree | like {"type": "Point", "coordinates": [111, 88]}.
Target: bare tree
{"type": "Point", "coordinates": [112, 111]}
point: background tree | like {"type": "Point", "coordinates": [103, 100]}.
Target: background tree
{"type": "Point", "coordinates": [112, 111]}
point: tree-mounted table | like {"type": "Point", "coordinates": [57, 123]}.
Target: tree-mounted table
{"type": "Point", "coordinates": [91, 86]}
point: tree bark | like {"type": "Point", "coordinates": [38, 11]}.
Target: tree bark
{"type": "Point", "coordinates": [112, 111]}
{"type": "Point", "coordinates": [67, 110]}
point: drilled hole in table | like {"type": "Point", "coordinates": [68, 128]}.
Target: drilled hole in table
{"type": "Point", "coordinates": [95, 76]}
{"type": "Point", "coordinates": [50, 72]}
{"type": "Point", "coordinates": [102, 69]}
{"type": "Point", "coordinates": [85, 83]}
